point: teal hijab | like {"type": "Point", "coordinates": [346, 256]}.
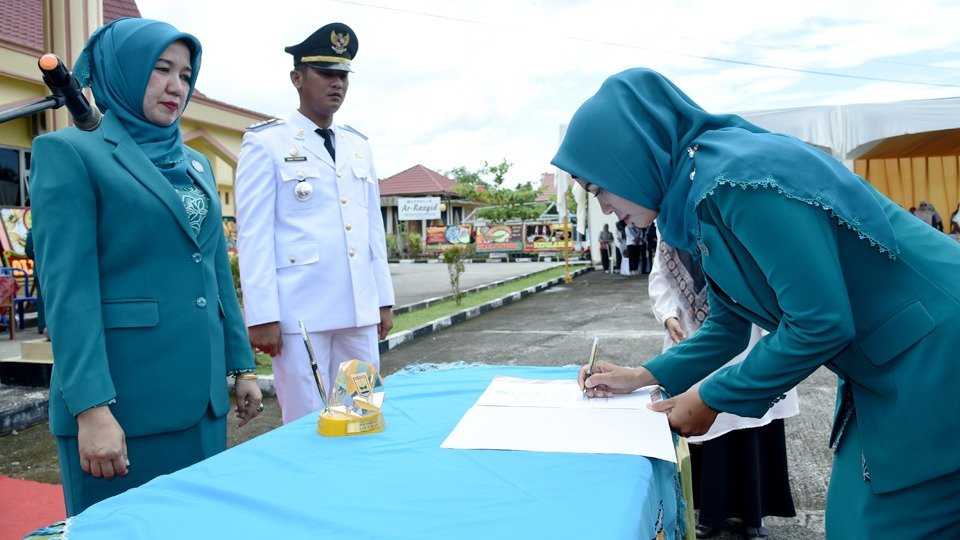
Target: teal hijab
{"type": "Point", "coordinates": [117, 62]}
{"type": "Point", "coordinates": [640, 137]}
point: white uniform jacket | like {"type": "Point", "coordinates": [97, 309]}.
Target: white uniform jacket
{"type": "Point", "coordinates": [666, 303]}
{"type": "Point", "coordinates": [320, 258]}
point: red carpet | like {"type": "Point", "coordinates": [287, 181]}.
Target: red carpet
{"type": "Point", "coordinates": [27, 506]}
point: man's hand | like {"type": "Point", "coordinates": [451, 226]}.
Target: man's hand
{"type": "Point", "coordinates": [687, 413]}
{"type": "Point", "coordinates": [267, 338]}
{"type": "Point", "coordinates": [674, 329]}
{"type": "Point", "coordinates": [386, 322]}
{"type": "Point", "coordinates": [102, 443]}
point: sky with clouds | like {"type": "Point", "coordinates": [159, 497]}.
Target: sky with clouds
{"type": "Point", "coordinates": [446, 83]}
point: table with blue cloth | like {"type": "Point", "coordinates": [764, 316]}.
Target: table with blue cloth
{"type": "Point", "coordinates": [399, 484]}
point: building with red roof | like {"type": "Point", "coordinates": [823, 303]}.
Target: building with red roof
{"type": "Point", "coordinates": [421, 181]}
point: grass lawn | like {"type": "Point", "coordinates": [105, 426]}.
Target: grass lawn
{"type": "Point", "coordinates": [413, 319]}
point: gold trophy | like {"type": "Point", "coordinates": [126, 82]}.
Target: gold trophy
{"type": "Point", "coordinates": [354, 405]}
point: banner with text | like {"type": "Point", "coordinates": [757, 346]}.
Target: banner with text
{"type": "Point", "coordinates": [446, 236]}
{"type": "Point", "coordinates": [546, 236]}
{"type": "Point", "coordinates": [503, 238]}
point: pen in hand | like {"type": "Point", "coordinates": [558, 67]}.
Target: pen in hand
{"type": "Point", "coordinates": [590, 363]}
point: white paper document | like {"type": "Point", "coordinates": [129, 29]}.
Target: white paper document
{"type": "Point", "coordinates": [554, 416]}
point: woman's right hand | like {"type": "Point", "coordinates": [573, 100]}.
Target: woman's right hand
{"type": "Point", "coordinates": [675, 330]}
{"type": "Point", "coordinates": [102, 443]}
{"type": "Point", "coordinates": [609, 379]}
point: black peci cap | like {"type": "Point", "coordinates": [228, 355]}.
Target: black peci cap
{"type": "Point", "coordinates": [331, 47]}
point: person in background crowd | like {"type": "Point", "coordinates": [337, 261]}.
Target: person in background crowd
{"type": "Point", "coordinates": [955, 223]}
{"type": "Point", "coordinates": [620, 241]}
{"type": "Point", "coordinates": [650, 233]}
{"type": "Point", "coordinates": [928, 214]}
{"type": "Point", "coordinates": [140, 301]}
{"type": "Point", "coordinates": [634, 237]}
{"type": "Point", "coordinates": [606, 244]}
{"type": "Point", "coordinates": [794, 242]}
{"type": "Point", "coordinates": [740, 465]}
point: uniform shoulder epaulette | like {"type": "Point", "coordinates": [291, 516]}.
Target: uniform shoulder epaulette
{"type": "Point", "coordinates": [351, 129]}
{"type": "Point", "coordinates": [265, 124]}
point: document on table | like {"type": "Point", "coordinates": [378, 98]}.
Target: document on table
{"type": "Point", "coordinates": [554, 416]}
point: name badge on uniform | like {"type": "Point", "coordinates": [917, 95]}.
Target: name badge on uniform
{"type": "Point", "coordinates": [294, 155]}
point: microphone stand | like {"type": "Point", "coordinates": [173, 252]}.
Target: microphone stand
{"type": "Point", "coordinates": [50, 102]}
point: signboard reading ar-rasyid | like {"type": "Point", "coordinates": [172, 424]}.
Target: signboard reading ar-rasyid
{"type": "Point", "coordinates": [417, 208]}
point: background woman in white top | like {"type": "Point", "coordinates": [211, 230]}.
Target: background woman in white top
{"type": "Point", "coordinates": [740, 464]}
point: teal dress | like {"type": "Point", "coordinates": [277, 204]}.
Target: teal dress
{"type": "Point", "coordinates": [839, 276]}
{"type": "Point", "coordinates": [886, 327]}
{"type": "Point", "coordinates": [141, 305]}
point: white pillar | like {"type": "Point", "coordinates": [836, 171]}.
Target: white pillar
{"type": "Point", "coordinates": [66, 26]}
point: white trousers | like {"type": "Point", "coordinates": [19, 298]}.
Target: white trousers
{"type": "Point", "coordinates": [292, 375]}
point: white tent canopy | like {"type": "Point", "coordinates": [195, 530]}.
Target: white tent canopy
{"type": "Point", "coordinates": [848, 131]}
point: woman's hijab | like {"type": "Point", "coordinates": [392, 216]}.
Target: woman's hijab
{"type": "Point", "coordinates": [117, 62]}
{"type": "Point", "coordinates": [640, 137]}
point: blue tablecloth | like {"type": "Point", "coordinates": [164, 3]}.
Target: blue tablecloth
{"type": "Point", "coordinates": [399, 484]}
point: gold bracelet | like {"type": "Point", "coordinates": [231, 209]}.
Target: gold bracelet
{"type": "Point", "coordinates": [246, 376]}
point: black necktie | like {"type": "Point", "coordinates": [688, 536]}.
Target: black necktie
{"type": "Point", "coordinates": [327, 135]}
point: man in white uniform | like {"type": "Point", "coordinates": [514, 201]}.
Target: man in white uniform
{"type": "Point", "coordinates": [309, 230]}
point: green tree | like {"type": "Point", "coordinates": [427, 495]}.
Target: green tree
{"type": "Point", "coordinates": [454, 257]}
{"type": "Point", "coordinates": [485, 185]}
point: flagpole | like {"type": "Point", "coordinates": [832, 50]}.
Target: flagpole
{"type": "Point", "coordinates": [567, 278]}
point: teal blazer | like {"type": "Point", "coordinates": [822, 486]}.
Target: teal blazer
{"type": "Point", "coordinates": [139, 310]}
{"type": "Point", "coordinates": [887, 327]}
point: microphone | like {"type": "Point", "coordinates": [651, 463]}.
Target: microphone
{"type": "Point", "coordinates": [58, 78]}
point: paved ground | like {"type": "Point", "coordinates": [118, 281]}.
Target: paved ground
{"type": "Point", "coordinates": [555, 327]}
{"type": "Point", "coordinates": [416, 282]}
{"type": "Point", "coordinates": [11, 348]}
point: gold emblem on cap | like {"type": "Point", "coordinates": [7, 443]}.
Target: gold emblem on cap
{"type": "Point", "coordinates": [339, 42]}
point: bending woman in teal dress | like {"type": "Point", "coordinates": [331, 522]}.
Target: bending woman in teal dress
{"type": "Point", "coordinates": [839, 275]}
{"type": "Point", "coordinates": [141, 307]}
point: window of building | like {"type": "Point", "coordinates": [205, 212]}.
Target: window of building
{"type": "Point", "coordinates": [14, 171]}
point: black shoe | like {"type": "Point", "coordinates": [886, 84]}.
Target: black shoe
{"type": "Point", "coordinates": [706, 531]}
{"type": "Point", "coordinates": [756, 533]}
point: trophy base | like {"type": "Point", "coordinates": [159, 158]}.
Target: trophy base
{"type": "Point", "coordinates": [337, 422]}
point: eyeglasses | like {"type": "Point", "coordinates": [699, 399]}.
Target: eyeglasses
{"type": "Point", "coordinates": [593, 189]}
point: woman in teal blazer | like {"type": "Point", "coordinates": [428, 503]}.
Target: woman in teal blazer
{"type": "Point", "coordinates": [839, 275]}
{"type": "Point", "coordinates": [141, 308]}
